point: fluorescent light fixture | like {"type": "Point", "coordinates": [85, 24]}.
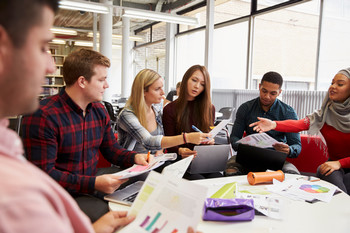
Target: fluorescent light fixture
{"type": "Point", "coordinates": [119, 37]}
{"type": "Point", "coordinates": [64, 31]}
{"type": "Point", "coordinates": [56, 41]}
{"type": "Point", "coordinates": [157, 16]}
{"type": "Point", "coordinates": [83, 43]}
{"type": "Point", "coordinates": [84, 6]}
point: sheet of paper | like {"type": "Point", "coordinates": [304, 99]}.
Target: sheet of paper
{"type": "Point", "coordinates": [265, 202]}
{"type": "Point", "coordinates": [136, 170]}
{"type": "Point", "coordinates": [178, 168]}
{"type": "Point", "coordinates": [167, 204]}
{"type": "Point", "coordinates": [262, 140]}
{"type": "Point", "coordinates": [303, 190]}
{"type": "Point", "coordinates": [218, 128]}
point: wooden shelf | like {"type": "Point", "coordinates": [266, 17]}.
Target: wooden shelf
{"type": "Point", "coordinates": [54, 85]}
{"type": "Point", "coordinates": [54, 76]}
{"type": "Point", "coordinates": [56, 55]}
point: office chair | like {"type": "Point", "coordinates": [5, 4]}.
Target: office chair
{"type": "Point", "coordinates": [111, 114]}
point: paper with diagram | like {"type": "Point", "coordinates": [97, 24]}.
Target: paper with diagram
{"type": "Point", "coordinates": [262, 140]}
{"type": "Point", "coordinates": [167, 204]}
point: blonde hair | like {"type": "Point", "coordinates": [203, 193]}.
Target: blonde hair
{"type": "Point", "coordinates": [136, 102]}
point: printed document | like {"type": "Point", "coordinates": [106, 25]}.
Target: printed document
{"type": "Point", "coordinates": [167, 204]}
{"type": "Point", "coordinates": [136, 170]}
{"type": "Point", "coordinates": [261, 140]}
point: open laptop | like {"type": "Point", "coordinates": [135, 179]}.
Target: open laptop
{"type": "Point", "coordinates": [210, 158]}
{"type": "Point", "coordinates": [128, 194]}
{"type": "Point", "coordinates": [258, 159]}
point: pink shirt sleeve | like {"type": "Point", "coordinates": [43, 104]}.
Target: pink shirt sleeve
{"type": "Point", "coordinates": [293, 126]}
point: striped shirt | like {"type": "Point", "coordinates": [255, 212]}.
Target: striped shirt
{"type": "Point", "coordinates": [130, 129]}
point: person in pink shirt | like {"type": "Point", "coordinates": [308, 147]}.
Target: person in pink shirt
{"type": "Point", "coordinates": [30, 201]}
{"type": "Point", "coordinates": [333, 121]}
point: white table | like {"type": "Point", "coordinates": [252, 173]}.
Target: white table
{"type": "Point", "coordinates": [300, 217]}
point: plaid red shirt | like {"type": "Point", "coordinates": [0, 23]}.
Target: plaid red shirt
{"type": "Point", "coordinates": [65, 144]}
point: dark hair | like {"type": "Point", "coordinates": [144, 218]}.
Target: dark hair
{"type": "Point", "coordinates": [272, 77]}
{"type": "Point", "coordinates": [19, 16]}
{"type": "Point", "coordinates": [202, 112]}
{"type": "Point", "coordinates": [82, 63]}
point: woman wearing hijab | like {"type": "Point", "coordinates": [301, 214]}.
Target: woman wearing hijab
{"type": "Point", "coordinates": [333, 121]}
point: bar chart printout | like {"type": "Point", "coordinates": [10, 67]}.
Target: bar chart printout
{"type": "Point", "coordinates": [173, 206]}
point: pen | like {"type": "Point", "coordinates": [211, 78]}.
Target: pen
{"type": "Point", "coordinates": [198, 130]}
{"type": "Point", "coordinates": [149, 152]}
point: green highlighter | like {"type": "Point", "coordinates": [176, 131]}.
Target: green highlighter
{"type": "Point", "coordinates": [228, 191]}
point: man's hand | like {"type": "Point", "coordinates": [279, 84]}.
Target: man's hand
{"type": "Point", "coordinates": [263, 125]}
{"type": "Point", "coordinates": [328, 167]}
{"type": "Point", "coordinates": [111, 221]}
{"type": "Point", "coordinates": [282, 147]}
{"type": "Point", "coordinates": [108, 183]}
{"type": "Point", "coordinates": [185, 152]}
{"type": "Point", "coordinates": [141, 159]}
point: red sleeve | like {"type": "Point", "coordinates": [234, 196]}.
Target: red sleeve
{"type": "Point", "coordinates": [293, 126]}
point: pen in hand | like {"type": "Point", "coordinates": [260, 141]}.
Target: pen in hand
{"type": "Point", "coordinates": [198, 130]}
{"type": "Point", "coordinates": [149, 152]}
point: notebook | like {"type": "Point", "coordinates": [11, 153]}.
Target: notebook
{"type": "Point", "coordinates": [258, 159]}
{"type": "Point", "coordinates": [128, 194]}
{"type": "Point", "coordinates": [209, 159]}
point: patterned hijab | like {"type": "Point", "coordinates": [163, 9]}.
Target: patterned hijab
{"type": "Point", "coordinates": [334, 114]}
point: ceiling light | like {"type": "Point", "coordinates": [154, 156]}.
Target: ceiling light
{"type": "Point", "coordinates": [119, 37]}
{"type": "Point", "coordinates": [64, 31]}
{"type": "Point", "coordinates": [83, 43]}
{"type": "Point", "coordinates": [56, 41]}
{"type": "Point", "coordinates": [163, 17]}
{"type": "Point", "coordinates": [84, 6]}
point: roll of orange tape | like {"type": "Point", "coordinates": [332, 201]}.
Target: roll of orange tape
{"type": "Point", "coordinates": [263, 177]}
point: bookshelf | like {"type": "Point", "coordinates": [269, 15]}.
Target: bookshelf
{"type": "Point", "coordinates": [54, 82]}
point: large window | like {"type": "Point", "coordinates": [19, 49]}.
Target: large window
{"type": "Point", "coordinates": [230, 57]}
{"type": "Point", "coordinates": [335, 46]}
{"type": "Point", "coordinates": [285, 41]}
{"type": "Point", "coordinates": [189, 52]}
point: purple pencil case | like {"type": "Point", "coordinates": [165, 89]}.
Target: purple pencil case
{"type": "Point", "coordinates": [216, 209]}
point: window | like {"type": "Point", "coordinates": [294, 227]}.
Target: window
{"type": "Point", "coordinates": [334, 43]}
{"type": "Point", "coordinates": [285, 41]}
{"type": "Point", "coordinates": [230, 56]}
{"type": "Point", "coordinates": [189, 52]}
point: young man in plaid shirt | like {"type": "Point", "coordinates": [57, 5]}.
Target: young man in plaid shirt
{"type": "Point", "coordinates": [65, 135]}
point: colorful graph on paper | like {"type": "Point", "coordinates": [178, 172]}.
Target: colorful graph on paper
{"type": "Point", "coordinates": [314, 188]}
{"type": "Point", "coordinates": [154, 225]}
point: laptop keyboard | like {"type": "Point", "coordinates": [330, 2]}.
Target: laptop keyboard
{"type": "Point", "coordinates": [131, 198]}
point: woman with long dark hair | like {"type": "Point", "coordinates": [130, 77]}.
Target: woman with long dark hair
{"type": "Point", "coordinates": [192, 107]}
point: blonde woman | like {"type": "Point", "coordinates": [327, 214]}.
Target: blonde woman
{"type": "Point", "coordinates": [140, 125]}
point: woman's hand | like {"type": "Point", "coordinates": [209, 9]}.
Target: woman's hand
{"type": "Point", "coordinates": [263, 125]}
{"type": "Point", "coordinates": [210, 142]}
{"type": "Point", "coordinates": [185, 152]}
{"type": "Point", "coordinates": [197, 138]}
{"type": "Point", "coordinates": [328, 167]}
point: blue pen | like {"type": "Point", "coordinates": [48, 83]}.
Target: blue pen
{"type": "Point", "coordinates": [198, 130]}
